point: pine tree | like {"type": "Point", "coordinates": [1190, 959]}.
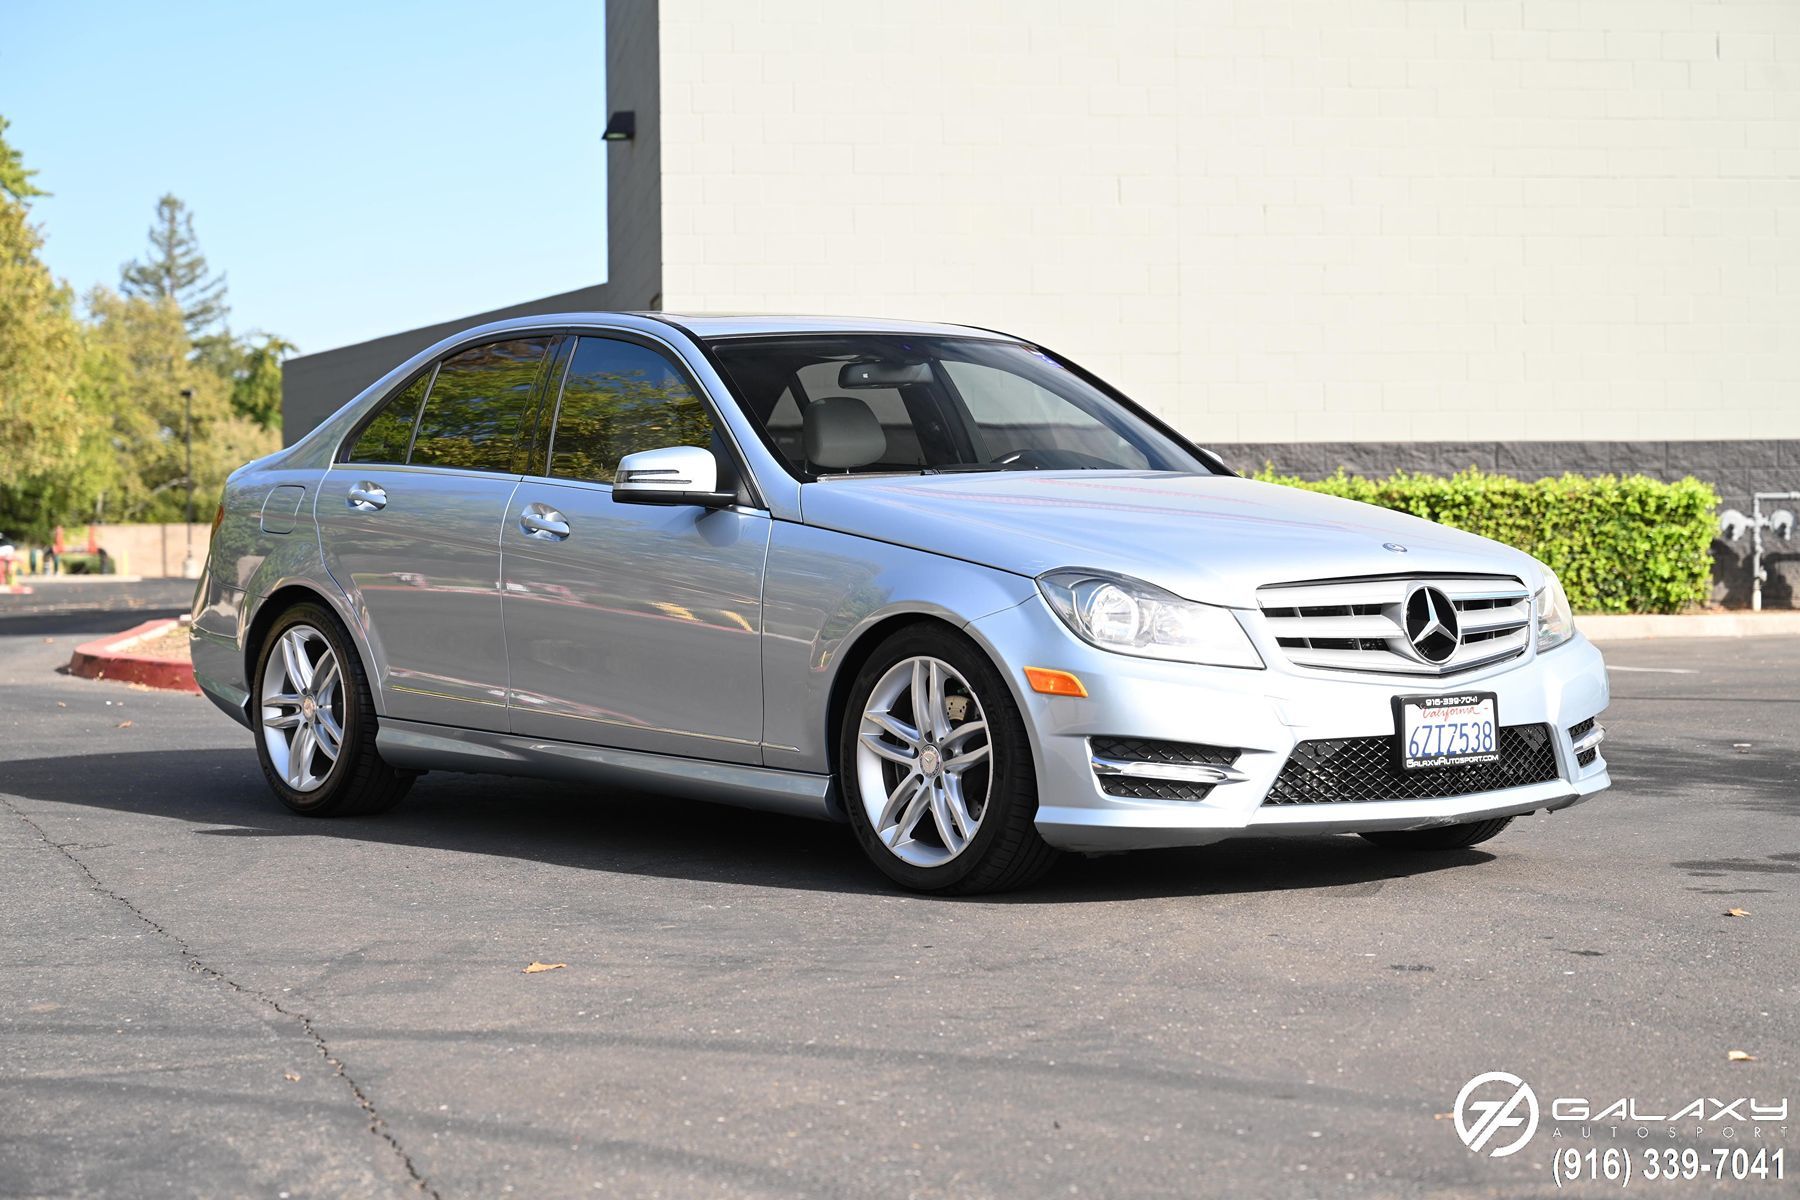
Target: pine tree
{"type": "Point", "coordinates": [175, 270]}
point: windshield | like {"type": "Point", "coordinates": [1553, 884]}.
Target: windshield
{"type": "Point", "coordinates": [862, 404]}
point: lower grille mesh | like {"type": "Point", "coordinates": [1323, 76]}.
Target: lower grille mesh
{"type": "Point", "coordinates": [1576, 731]}
{"type": "Point", "coordinates": [1149, 750]}
{"type": "Point", "coordinates": [1152, 789]}
{"type": "Point", "coordinates": [1122, 749]}
{"type": "Point", "coordinates": [1355, 770]}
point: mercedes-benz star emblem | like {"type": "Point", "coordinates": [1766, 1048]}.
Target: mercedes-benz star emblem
{"type": "Point", "coordinates": [1431, 626]}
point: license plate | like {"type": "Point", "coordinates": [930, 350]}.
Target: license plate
{"type": "Point", "coordinates": [1447, 731]}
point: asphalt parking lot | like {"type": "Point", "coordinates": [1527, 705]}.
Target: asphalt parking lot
{"type": "Point", "coordinates": [201, 994]}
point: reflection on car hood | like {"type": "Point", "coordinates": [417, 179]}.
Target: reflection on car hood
{"type": "Point", "coordinates": [1210, 538]}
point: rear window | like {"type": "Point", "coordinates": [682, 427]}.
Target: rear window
{"type": "Point", "coordinates": [477, 403]}
{"type": "Point", "coordinates": [385, 438]}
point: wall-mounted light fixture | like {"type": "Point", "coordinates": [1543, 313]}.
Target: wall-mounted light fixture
{"type": "Point", "coordinates": [621, 127]}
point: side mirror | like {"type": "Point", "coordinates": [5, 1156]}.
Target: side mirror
{"type": "Point", "coordinates": [671, 475]}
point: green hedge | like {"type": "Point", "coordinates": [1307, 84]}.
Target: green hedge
{"type": "Point", "coordinates": [1619, 543]}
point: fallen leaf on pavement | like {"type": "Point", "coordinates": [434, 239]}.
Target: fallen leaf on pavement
{"type": "Point", "coordinates": [535, 967]}
{"type": "Point", "coordinates": [1739, 1056]}
{"type": "Point", "coordinates": [1736, 912]}
{"type": "Point", "coordinates": [124, 725]}
{"type": "Point", "coordinates": [290, 1077]}
{"type": "Point", "coordinates": [62, 704]}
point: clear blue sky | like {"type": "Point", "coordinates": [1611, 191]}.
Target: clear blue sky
{"type": "Point", "coordinates": [356, 169]}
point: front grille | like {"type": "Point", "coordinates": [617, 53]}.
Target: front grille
{"type": "Point", "coordinates": [1579, 730]}
{"type": "Point", "coordinates": [1355, 770]}
{"type": "Point", "coordinates": [1150, 750]}
{"type": "Point", "coordinates": [1360, 625]}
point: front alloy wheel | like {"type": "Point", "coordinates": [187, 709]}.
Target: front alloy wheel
{"type": "Point", "coordinates": [922, 762]}
{"type": "Point", "coordinates": [936, 770]}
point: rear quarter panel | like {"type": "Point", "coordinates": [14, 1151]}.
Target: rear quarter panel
{"type": "Point", "coordinates": [251, 559]}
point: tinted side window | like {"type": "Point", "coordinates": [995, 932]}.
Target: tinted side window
{"type": "Point", "coordinates": [383, 440]}
{"type": "Point", "coordinates": [472, 416]}
{"type": "Point", "coordinates": [620, 398]}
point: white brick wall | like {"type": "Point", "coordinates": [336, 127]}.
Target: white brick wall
{"type": "Point", "coordinates": [1273, 219]}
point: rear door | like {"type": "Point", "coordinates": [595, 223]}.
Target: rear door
{"type": "Point", "coordinates": [410, 524]}
{"type": "Point", "coordinates": [628, 625]}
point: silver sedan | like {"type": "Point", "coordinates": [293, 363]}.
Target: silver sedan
{"type": "Point", "coordinates": [939, 583]}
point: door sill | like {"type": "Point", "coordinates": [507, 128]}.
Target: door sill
{"type": "Point", "coordinates": [417, 746]}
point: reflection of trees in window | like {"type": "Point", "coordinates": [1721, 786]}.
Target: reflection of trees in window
{"type": "Point", "coordinates": [472, 416]}
{"type": "Point", "coordinates": [384, 439]}
{"type": "Point", "coordinates": [619, 399]}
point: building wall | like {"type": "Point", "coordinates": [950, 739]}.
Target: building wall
{"type": "Point", "coordinates": [316, 385]}
{"type": "Point", "coordinates": [1349, 221]}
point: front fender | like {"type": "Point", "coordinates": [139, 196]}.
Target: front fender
{"type": "Point", "coordinates": [824, 592]}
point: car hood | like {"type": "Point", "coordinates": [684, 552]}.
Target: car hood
{"type": "Point", "coordinates": [1210, 538]}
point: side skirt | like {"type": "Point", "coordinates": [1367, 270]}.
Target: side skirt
{"type": "Point", "coordinates": [416, 746]}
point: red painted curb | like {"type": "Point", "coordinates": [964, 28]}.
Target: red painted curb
{"type": "Point", "coordinates": [111, 658]}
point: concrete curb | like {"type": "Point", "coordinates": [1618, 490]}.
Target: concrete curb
{"type": "Point", "coordinates": [111, 658]}
{"type": "Point", "coordinates": [1635, 626]}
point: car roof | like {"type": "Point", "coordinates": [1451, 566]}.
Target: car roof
{"type": "Point", "coordinates": [716, 325]}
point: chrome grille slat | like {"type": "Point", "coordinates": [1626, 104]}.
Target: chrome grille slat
{"type": "Point", "coordinates": [1483, 620]}
{"type": "Point", "coordinates": [1380, 626]}
{"type": "Point", "coordinates": [1359, 624]}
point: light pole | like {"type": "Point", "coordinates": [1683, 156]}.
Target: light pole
{"type": "Point", "coordinates": [189, 568]}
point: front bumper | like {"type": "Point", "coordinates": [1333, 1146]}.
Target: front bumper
{"type": "Point", "coordinates": [1264, 714]}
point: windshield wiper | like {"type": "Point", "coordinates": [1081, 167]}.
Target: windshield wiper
{"type": "Point", "coordinates": [968, 468]}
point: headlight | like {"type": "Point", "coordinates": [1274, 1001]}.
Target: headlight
{"type": "Point", "coordinates": [1132, 617]}
{"type": "Point", "coordinates": [1555, 623]}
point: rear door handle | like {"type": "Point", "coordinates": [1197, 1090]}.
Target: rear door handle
{"type": "Point", "coordinates": [366, 497]}
{"type": "Point", "coordinates": [544, 523]}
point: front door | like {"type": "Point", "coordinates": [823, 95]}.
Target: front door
{"type": "Point", "coordinates": [410, 523]}
{"type": "Point", "coordinates": [627, 625]}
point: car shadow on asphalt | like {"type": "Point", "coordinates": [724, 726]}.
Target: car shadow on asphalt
{"type": "Point", "coordinates": [222, 794]}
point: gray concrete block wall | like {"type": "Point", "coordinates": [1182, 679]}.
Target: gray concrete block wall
{"type": "Point", "coordinates": [1737, 468]}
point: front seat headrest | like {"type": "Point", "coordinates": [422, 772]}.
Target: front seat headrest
{"type": "Point", "coordinates": [842, 432]}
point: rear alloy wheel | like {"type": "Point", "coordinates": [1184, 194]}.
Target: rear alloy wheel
{"type": "Point", "coordinates": [936, 769]}
{"type": "Point", "coordinates": [316, 720]}
{"type": "Point", "coordinates": [1444, 837]}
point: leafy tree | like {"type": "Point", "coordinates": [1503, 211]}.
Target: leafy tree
{"type": "Point", "coordinates": [41, 430]}
{"type": "Point", "coordinates": [256, 383]}
{"type": "Point", "coordinates": [15, 180]}
{"type": "Point", "coordinates": [135, 365]}
{"type": "Point", "coordinates": [175, 270]}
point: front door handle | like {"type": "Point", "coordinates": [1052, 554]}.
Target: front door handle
{"type": "Point", "coordinates": [544, 523]}
{"type": "Point", "coordinates": [366, 497]}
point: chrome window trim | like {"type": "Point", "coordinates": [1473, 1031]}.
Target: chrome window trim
{"type": "Point", "coordinates": [711, 389]}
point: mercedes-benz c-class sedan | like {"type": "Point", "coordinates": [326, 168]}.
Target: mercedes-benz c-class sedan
{"type": "Point", "coordinates": [935, 582]}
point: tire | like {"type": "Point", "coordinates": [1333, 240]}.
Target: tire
{"type": "Point", "coordinates": [354, 782]}
{"type": "Point", "coordinates": [1445, 837]}
{"type": "Point", "coordinates": [940, 855]}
